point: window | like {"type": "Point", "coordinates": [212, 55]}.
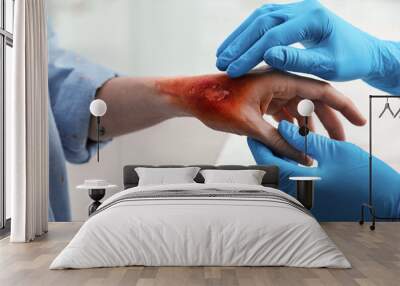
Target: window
{"type": "Point", "coordinates": [6, 43]}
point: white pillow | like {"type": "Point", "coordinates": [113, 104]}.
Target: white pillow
{"type": "Point", "coordinates": [165, 176]}
{"type": "Point", "coordinates": [248, 177]}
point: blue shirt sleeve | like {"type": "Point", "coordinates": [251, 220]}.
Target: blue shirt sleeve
{"type": "Point", "coordinates": [59, 203]}
{"type": "Point", "coordinates": [73, 82]}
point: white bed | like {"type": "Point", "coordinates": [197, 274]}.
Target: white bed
{"type": "Point", "coordinates": [249, 226]}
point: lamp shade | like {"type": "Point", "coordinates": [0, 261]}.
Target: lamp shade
{"type": "Point", "coordinates": [98, 107]}
{"type": "Point", "coordinates": [305, 107]}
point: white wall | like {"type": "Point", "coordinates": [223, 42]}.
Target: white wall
{"type": "Point", "coordinates": [170, 37]}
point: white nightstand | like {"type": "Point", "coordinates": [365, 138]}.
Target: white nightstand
{"type": "Point", "coordinates": [97, 190]}
{"type": "Point", "coordinates": [305, 190]}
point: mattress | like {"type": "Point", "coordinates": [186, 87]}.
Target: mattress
{"type": "Point", "coordinates": [201, 225]}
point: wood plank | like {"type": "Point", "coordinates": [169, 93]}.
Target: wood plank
{"type": "Point", "coordinates": [375, 257]}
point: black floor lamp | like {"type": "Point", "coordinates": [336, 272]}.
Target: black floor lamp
{"type": "Point", "coordinates": [370, 205]}
{"type": "Point", "coordinates": [98, 108]}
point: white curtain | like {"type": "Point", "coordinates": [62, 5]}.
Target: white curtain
{"type": "Point", "coordinates": [26, 122]}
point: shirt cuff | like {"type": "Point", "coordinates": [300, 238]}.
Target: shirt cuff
{"type": "Point", "coordinates": [72, 114]}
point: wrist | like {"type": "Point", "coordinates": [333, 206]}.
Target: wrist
{"type": "Point", "coordinates": [175, 92]}
{"type": "Point", "coordinates": [169, 98]}
{"type": "Point", "coordinates": [385, 73]}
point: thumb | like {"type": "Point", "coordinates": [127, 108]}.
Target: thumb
{"type": "Point", "coordinates": [308, 61]}
{"type": "Point", "coordinates": [319, 147]}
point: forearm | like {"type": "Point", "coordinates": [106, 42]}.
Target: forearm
{"type": "Point", "coordinates": [132, 104]}
{"type": "Point", "coordinates": [137, 103]}
{"type": "Point", "coordinates": [387, 72]}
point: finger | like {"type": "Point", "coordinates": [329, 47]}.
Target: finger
{"type": "Point", "coordinates": [258, 12]}
{"type": "Point", "coordinates": [283, 114]}
{"type": "Point", "coordinates": [302, 122]}
{"type": "Point", "coordinates": [268, 135]}
{"type": "Point", "coordinates": [311, 124]}
{"type": "Point", "coordinates": [247, 38]}
{"type": "Point", "coordinates": [310, 61]}
{"type": "Point", "coordinates": [292, 109]}
{"type": "Point", "coordinates": [325, 93]}
{"type": "Point", "coordinates": [264, 156]}
{"type": "Point", "coordinates": [318, 146]}
{"type": "Point", "coordinates": [331, 122]}
{"type": "Point", "coordinates": [282, 35]}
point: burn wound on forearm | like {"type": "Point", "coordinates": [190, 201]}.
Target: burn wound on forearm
{"type": "Point", "coordinates": [213, 96]}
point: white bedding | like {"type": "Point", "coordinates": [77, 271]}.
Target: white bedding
{"type": "Point", "coordinates": [183, 231]}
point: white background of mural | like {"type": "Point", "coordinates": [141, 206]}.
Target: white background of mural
{"type": "Point", "coordinates": [175, 37]}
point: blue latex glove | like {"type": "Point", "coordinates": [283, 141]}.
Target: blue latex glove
{"type": "Point", "coordinates": [335, 50]}
{"type": "Point", "coordinates": [343, 168]}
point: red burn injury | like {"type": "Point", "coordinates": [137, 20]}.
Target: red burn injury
{"type": "Point", "coordinates": [212, 96]}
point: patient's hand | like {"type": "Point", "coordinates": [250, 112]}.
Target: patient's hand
{"type": "Point", "coordinates": [238, 105]}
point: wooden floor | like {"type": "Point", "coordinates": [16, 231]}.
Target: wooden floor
{"type": "Point", "coordinates": [375, 257]}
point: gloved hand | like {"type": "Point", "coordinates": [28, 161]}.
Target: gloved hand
{"type": "Point", "coordinates": [343, 168]}
{"type": "Point", "coordinates": [335, 50]}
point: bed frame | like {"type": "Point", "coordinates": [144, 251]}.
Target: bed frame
{"type": "Point", "coordinates": [270, 179]}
